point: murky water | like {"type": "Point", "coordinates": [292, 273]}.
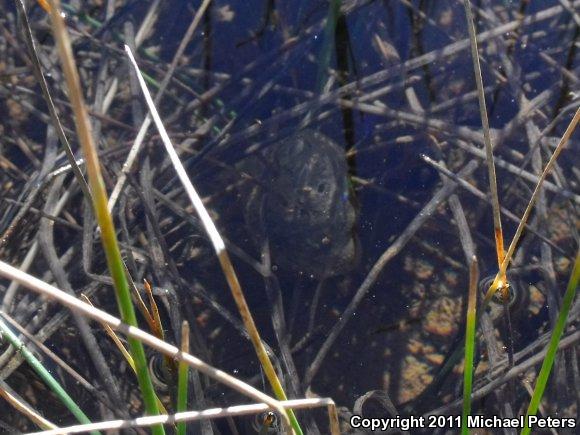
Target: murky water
{"type": "Point", "coordinates": [304, 129]}
{"type": "Point", "coordinates": [411, 76]}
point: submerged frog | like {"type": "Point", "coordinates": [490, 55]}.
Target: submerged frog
{"type": "Point", "coordinates": [302, 204]}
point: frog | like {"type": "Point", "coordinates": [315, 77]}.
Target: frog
{"type": "Point", "coordinates": [302, 203]}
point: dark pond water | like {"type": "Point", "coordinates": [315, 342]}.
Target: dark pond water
{"type": "Point", "coordinates": [406, 68]}
{"type": "Point", "coordinates": [304, 129]}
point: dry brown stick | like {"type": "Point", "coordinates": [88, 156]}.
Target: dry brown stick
{"type": "Point", "coordinates": [19, 405]}
{"type": "Point", "coordinates": [479, 194]}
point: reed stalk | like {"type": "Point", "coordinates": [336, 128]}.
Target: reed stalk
{"type": "Point", "coordinates": [512, 247]}
{"type": "Point", "coordinates": [104, 219]}
{"type": "Point", "coordinates": [469, 343]}
{"type": "Point", "coordinates": [553, 346]}
{"type": "Point", "coordinates": [182, 378]}
{"type": "Point", "coordinates": [498, 233]}
{"type": "Point", "coordinates": [7, 334]}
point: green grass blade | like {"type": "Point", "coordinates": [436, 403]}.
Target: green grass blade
{"type": "Point", "coordinates": [553, 346]}
{"type": "Point", "coordinates": [469, 343]}
{"type": "Point", "coordinates": [104, 219]}
{"type": "Point", "coordinates": [182, 377]}
{"type": "Point", "coordinates": [48, 379]}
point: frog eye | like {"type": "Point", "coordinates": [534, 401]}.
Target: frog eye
{"type": "Point", "coordinates": [159, 373]}
{"type": "Point", "coordinates": [266, 422]}
{"type": "Point", "coordinates": [322, 187]}
{"type": "Point", "coordinates": [506, 293]}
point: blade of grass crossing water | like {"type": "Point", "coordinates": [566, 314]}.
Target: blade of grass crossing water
{"type": "Point", "coordinates": [108, 233]}
{"type": "Point", "coordinates": [48, 379]}
{"type": "Point", "coordinates": [553, 346]}
{"type": "Point", "coordinates": [469, 343]}
{"type": "Point", "coordinates": [182, 377]}
{"type": "Point", "coordinates": [328, 43]}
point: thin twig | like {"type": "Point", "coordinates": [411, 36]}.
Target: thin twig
{"type": "Point", "coordinates": [116, 324]}
{"type": "Point", "coordinates": [36, 67]}
{"type": "Point", "coordinates": [377, 268]}
{"type": "Point", "coordinates": [219, 248]}
{"type": "Point", "coordinates": [503, 267]}
{"type": "Point", "coordinates": [486, 135]}
{"type": "Point", "coordinates": [26, 410]}
{"type": "Point", "coordinates": [147, 121]}
{"type": "Point", "coordinates": [206, 414]}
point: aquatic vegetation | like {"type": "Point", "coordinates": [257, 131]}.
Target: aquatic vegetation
{"type": "Point", "coordinates": [104, 219]}
{"type": "Point", "coordinates": [351, 174]}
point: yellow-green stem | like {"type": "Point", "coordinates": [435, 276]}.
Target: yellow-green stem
{"type": "Point", "coordinates": [261, 353]}
{"type": "Point", "coordinates": [553, 346]}
{"type": "Point", "coordinates": [104, 219]}
{"type": "Point", "coordinates": [469, 343]}
{"type": "Point", "coordinates": [182, 375]}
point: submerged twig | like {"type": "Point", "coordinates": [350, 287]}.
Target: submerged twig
{"type": "Point", "coordinates": [44, 374]}
{"type": "Point", "coordinates": [147, 121]}
{"type": "Point", "coordinates": [377, 268]}
{"type": "Point", "coordinates": [36, 67]}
